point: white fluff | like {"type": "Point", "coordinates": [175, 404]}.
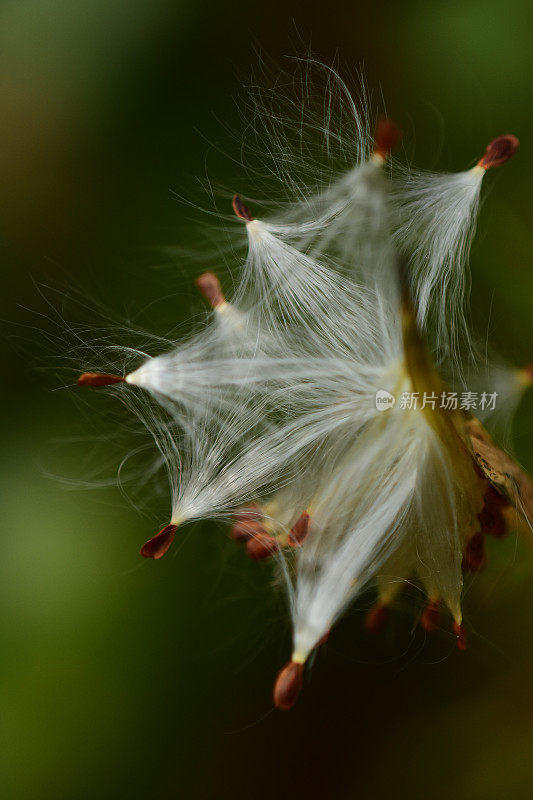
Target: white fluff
{"type": "Point", "coordinates": [436, 223]}
{"type": "Point", "coordinates": [273, 402]}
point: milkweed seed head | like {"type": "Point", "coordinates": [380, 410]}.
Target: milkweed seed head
{"type": "Point", "coordinates": [499, 151]}
{"type": "Point", "coordinates": [322, 406]}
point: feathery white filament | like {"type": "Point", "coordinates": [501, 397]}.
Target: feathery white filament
{"type": "Point", "coordinates": [274, 400]}
{"type": "Point", "coordinates": [436, 223]}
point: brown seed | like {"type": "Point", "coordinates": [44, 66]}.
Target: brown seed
{"type": "Point", "coordinates": [387, 137]}
{"type": "Point", "coordinates": [460, 632]}
{"type": "Point", "coordinates": [240, 209]}
{"type": "Point", "coordinates": [250, 511]}
{"type": "Point", "coordinates": [288, 685]}
{"type": "Point", "coordinates": [376, 617]}
{"type": "Point", "coordinates": [499, 151]}
{"type": "Point", "coordinates": [98, 379]}
{"type": "Point", "coordinates": [261, 546]}
{"type": "Point", "coordinates": [491, 518]}
{"type": "Point", "coordinates": [300, 529]}
{"type": "Point", "coordinates": [209, 286]}
{"type": "Point", "coordinates": [430, 616]}
{"type": "Point", "coordinates": [244, 530]}
{"type": "Point", "coordinates": [474, 553]}
{"type": "Point", "coordinates": [157, 546]}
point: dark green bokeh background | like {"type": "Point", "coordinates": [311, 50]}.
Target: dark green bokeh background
{"type": "Point", "coordinates": [153, 680]}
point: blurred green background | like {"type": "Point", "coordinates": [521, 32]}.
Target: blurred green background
{"type": "Point", "coordinates": [153, 680]}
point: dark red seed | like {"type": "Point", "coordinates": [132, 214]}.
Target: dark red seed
{"type": "Point", "coordinates": [499, 151]}
{"type": "Point", "coordinates": [98, 379]}
{"type": "Point", "coordinates": [430, 617]}
{"type": "Point", "coordinates": [288, 685]}
{"type": "Point", "coordinates": [262, 546]}
{"type": "Point", "coordinates": [157, 546]}
{"type": "Point", "coordinates": [492, 522]}
{"type": "Point", "coordinates": [300, 529]}
{"type": "Point", "coordinates": [387, 137]}
{"type": "Point", "coordinates": [474, 553]}
{"type": "Point", "coordinates": [251, 511]}
{"type": "Point", "coordinates": [376, 617]}
{"type": "Point", "coordinates": [240, 209]}
{"type": "Point", "coordinates": [244, 530]}
{"type": "Point", "coordinates": [209, 286]}
{"type": "Point", "coordinates": [491, 518]}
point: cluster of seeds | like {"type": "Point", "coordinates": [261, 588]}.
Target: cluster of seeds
{"type": "Point", "coordinates": [269, 416]}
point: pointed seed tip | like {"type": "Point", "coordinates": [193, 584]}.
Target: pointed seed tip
{"type": "Point", "coordinates": [288, 685]}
